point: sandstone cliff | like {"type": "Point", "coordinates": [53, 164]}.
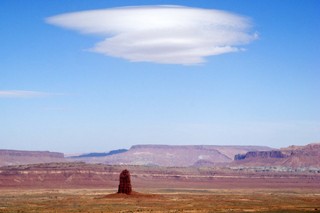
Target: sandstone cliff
{"type": "Point", "coordinates": [293, 156]}
{"type": "Point", "coordinates": [16, 157]}
{"type": "Point", "coordinates": [260, 154]}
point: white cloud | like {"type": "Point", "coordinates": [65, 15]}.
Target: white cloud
{"type": "Point", "coordinates": [22, 94]}
{"type": "Point", "coordinates": [161, 34]}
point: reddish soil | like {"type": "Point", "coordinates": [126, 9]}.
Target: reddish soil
{"type": "Point", "coordinates": [132, 195]}
{"type": "Point", "coordinates": [75, 187]}
{"type": "Point", "coordinates": [77, 175]}
{"type": "Point", "coordinates": [162, 200]}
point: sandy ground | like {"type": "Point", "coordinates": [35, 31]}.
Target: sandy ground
{"type": "Point", "coordinates": [160, 200]}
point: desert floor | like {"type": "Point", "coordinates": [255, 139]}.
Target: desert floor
{"type": "Point", "coordinates": [160, 200]}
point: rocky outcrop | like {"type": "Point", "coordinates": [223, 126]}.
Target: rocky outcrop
{"type": "Point", "coordinates": [125, 183]}
{"type": "Point", "coordinates": [239, 156]}
{"type": "Point", "coordinates": [260, 154]}
{"type": "Point", "coordinates": [293, 156]}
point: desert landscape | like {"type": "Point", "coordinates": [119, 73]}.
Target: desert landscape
{"type": "Point", "coordinates": [160, 200]}
{"type": "Point", "coordinates": [159, 106]}
{"type": "Point", "coordinates": [283, 180]}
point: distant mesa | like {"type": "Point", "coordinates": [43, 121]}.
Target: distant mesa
{"type": "Point", "coordinates": [125, 183]}
{"type": "Point", "coordinates": [100, 154]}
{"type": "Point", "coordinates": [179, 156]}
{"type": "Point", "coordinates": [170, 155]}
{"type": "Point", "coordinates": [18, 157]}
{"type": "Point", "coordinates": [292, 156]}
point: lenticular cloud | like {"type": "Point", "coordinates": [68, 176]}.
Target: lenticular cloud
{"type": "Point", "coordinates": [161, 34]}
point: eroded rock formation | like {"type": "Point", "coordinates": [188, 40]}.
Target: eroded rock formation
{"type": "Point", "coordinates": [260, 154]}
{"type": "Point", "coordinates": [125, 183]}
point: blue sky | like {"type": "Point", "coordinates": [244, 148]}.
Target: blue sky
{"type": "Point", "coordinates": [56, 94]}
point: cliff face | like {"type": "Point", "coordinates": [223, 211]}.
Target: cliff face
{"type": "Point", "coordinates": [303, 156]}
{"type": "Point", "coordinates": [16, 157]}
{"type": "Point", "coordinates": [260, 154]}
{"type": "Point", "coordinates": [293, 156]}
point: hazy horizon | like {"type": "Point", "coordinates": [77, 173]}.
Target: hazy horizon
{"type": "Point", "coordinates": [82, 77]}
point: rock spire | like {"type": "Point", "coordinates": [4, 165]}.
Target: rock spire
{"type": "Point", "coordinates": [125, 183]}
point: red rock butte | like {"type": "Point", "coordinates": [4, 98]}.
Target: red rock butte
{"type": "Point", "coordinates": [125, 183]}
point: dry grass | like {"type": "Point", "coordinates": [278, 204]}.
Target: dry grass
{"type": "Point", "coordinates": [159, 200]}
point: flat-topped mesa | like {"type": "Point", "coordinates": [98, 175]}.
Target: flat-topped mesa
{"type": "Point", "coordinates": [260, 154]}
{"type": "Point", "coordinates": [125, 183]}
{"type": "Point", "coordinates": [20, 153]}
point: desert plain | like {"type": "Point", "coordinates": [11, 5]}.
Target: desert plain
{"type": "Point", "coordinates": [160, 200]}
{"type": "Point", "coordinates": [286, 180]}
{"type": "Point", "coordinates": [71, 188]}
